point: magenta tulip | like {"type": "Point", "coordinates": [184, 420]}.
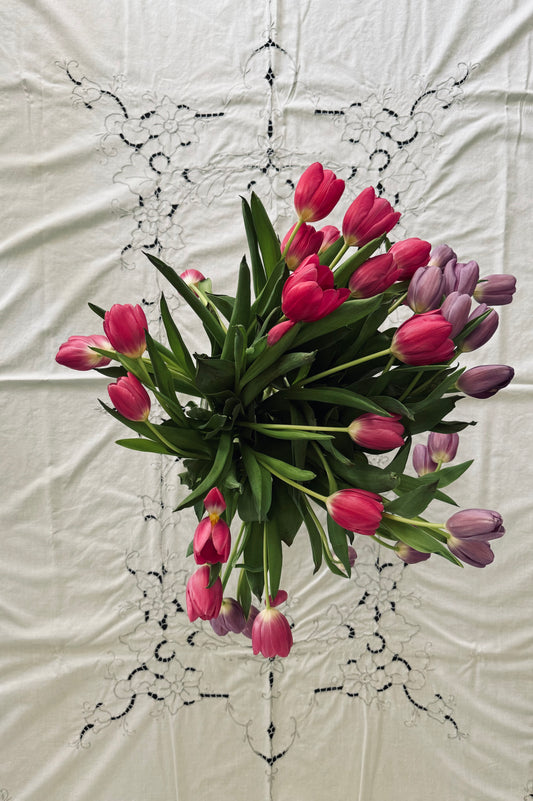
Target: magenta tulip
{"type": "Point", "coordinates": [203, 601]}
{"type": "Point", "coordinates": [306, 242]}
{"type": "Point", "coordinates": [356, 510]}
{"type": "Point", "coordinates": [377, 432]}
{"type": "Point", "coordinates": [496, 290]}
{"type": "Point", "coordinates": [212, 538]}
{"type": "Point", "coordinates": [230, 618]}
{"type": "Point", "coordinates": [367, 218]}
{"type": "Point", "coordinates": [77, 352]}
{"type": "Point", "coordinates": [409, 255]}
{"type": "Point", "coordinates": [442, 447]}
{"type": "Point", "coordinates": [130, 398]}
{"type": "Point", "coordinates": [330, 235]}
{"type": "Point", "coordinates": [125, 326]}
{"type": "Point", "coordinates": [271, 634]}
{"type": "Point", "coordinates": [423, 339]}
{"type": "Point", "coordinates": [486, 380]}
{"type": "Point", "coordinates": [317, 193]}
{"type": "Point", "coordinates": [373, 277]}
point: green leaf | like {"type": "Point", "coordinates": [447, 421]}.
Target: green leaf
{"type": "Point", "coordinates": [214, 376]}
{"type": "Point", "coordinates": [214, 573]}
{"type": "Point", "coordinates": [269, 356]}
{"type": "Point", "coordinates": [244, 595]}
{"type": "Point", "coordinates": [274, 556]}
{"type": "Point", "coordinates": [420, 539]}
{"type": "Point", "coordinates": [260, 481]}
{"type": "Point", "coordinates": [241, 309]}
{"type": "Point", "coordinates": [146, 445]}
{"type": "Point", "coordinates": [335, 396]}
{"type": "Point", "coordinates": [447, 475]}
{"type": "Point", "coordinates": [266, 236]}
{"type": "Point", "coordinates": [97, 310]}
{"type": "Point", "coordinates": [218, 468]}
{"type": "Point", "coordinates": [412, 503]}
{"type": "Point", "coordinates": [284, 512]}
{"type": "Point", "coordinates": [284, 469]}
{"type": "Point", "coordinates": [339, 543]}
{"type": "Point", "coordinates": [177, 345]}
{"type": "Point", "coordinates": [344, 316]}
{"type": "Point", "coordinates": [281, 367]}
{"type": "Point", "coordinates": [253, 558]}
{"type": "Point", "coordinates": [344, 272]}
{"type": "Point", "coordinates": [270, 296]}
{"type": "Point", "coordinates": [314, 536]}
{"type": "Point", "coordinates": [258, 270]}
{"type": "Point", "coordinates": [162, 376]}
{"type": "Point", "coordinates": [293, 434]}
{"type": "Point", "coordinates": [224, 304]}
{"type": "Point", "coordinates": [209, 321]}
{"type": "Point", "coordinates": [239, 350]}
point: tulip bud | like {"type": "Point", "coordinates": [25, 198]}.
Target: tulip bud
{"type": "Point", "coordinates": [125, 327]}
{"type": "Point", "coordinates": [496, 290]}
{"type": "Point", "coordinates": [422, 461]}
{"type": "Point", "coordinates": [377, 432]}
{"type": "Point", "coordinates": [373, 277]}
{"type": "Point", "coordinates": [441, 255]}
{"type": "Point", "coordinates": [130, 398]}
{"type": "Point", "coordinates": [423, 339]}
{"type": "Point", "coordinates": [192, 277]}
{"type": "Point", "coordinates": [456, 309]}
{"type": "Point", "coordinates": [252, 614]}
{"type": "Point", "coordinates": [352, 555]}
{"type": "Point", "coordinates": [409, 555]}
{"type": "Point", "coordinates": [306, 242]}
{"type": "Point", "coordinates": [230, 618]}
{"type": "Point", "coordinates": [484, 331]}
{"type": "Point", "coordinates": [470, 532]}
{"type": "Point", "coordinates": [425, 290]}
{"type": "Point", "coordinates": [77, 354]}
{"type": "Point", "coordinates": [450, 280]}
{"type": "Point", "coordinates": [309, 294]}
{"type": "Point", "coordinates": [367, 218]}
{"type": "Point", "coordinates": [317, 193]}
{"type": "Point", "coordinates": [356, 510]}
{"type": "Point", "coordinates": [442, 447]}
{"type": "Point", "coordinates": [203, 601]}
{"type": "Point", "coordinates": [271, 634]}
{"type": "Point", "coordinates": [486, 380]}
{"type": "Point", "coordinates": [409, 255]}
{"type": "Point", "coordinates": [330, 235]}
{"type": "Point", "coordinates": [466, 277]}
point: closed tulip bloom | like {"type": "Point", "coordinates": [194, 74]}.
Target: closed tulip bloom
{"type": "Point", "coordinates": [212, 541]}
{"type": "Point", "coordinates": [495, 290]}
{"type": "Point", "coordinates": [456, 309]}
{"type": "Point", "coordinates": [425, 289]}
{"type": "Point", "coordinates": [373, 277]}
{"type": "Point", "coordinates": [470, 533]}
{"type": "Point", "coordinates": [377, 432]}
{"type": "Point", "coordinates": [409, 555]}
{"type": "Point", "coordinates": [306, 242]}
{"type": "Point", "coordinates": [76, 352]}
{"type": "Point", "coordinates": [422, 461]}
{"type": "Point", "coordinates": [486, 380]}
{"type": "Point", "coordinates": [450, 280]}
{"type": "Point", "coordinates": [423, 339]}
{"type": "Point", "coordinates": [441, 255]}
{"type": "Point", "coordinates": [484, 331]}
{"type": "Point", "coordinates": [125, 327]}
{"type": "Point", "coordinates": [192, 277]}
{"type": "Point", "coordinates": [443, 447]}
{"type": "Point", "coordinates": [317, 193]}
{"type": "Point", "coordinates": [252, 614]}
{"type": "Point", "coordinates": [330, 234]}
{"type": "Point", "coordinates": [230, 618]}
{"type": "Point", "coordinates": [271, 634]}
{"type": "Point", "coordinates": [356, 510]}
{"type": "Point", "coordinates": [214, 502]}
{"type": "Point", "coordinates": [130, 398]}
{"type": "Point", "coordinates": [203, 602]}
{"type": "Point", "coordinates": [466, 277]}
{"type": "Point", "coordinates": [367, 218]}
{"type": "Point", "coordinates": [409, 255]}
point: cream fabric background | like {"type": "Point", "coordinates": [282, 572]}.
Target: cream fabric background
{"type": "Point", "coordinates": [136, 125]}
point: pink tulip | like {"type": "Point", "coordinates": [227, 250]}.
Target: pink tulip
{"type": "Point", "coordinates": [130, 398]}
{"type": "Point", "coordinates": [485, 380]}
{"type": "Point", "coordinates": [496, 290]}
{"type": "Point", "coordinates": [214, 502]}
{"type": "Point", "coordinates": [76, 352]}
{"type": "Point", "coordinates": [422, 461]}
{"type": "Point", "coordinates": [409, 255]}
{"type": "Point", "coordinates": [306, 242]}
{"type": "Point", "coordinates": [212, 538]}
{"type": "Point", "coordinates": [192, 277]}
{"type": "Point", "coordinates": [271, 634]}
{"type": "Point", "coordinates": [330, 235]}
{"type": "Point", "coordinates": [125, 326]}
{"type": "Point", "coordinates": [230, 618]}
{"type": "Point", "coordinates": [423, 339]}
{"type": "Point", "coordinates": [377, 432]}
{"type": "Point", "coordinates": [203, 602]}
{"type": "Point", "coordinates": [373, 277]}
{"type": "Point", "coordinates": [356, 510]}
{"type": "Point", "coordinates": [317, 193]}
{"type": "Point", "coordinates": [443, 447]}
{"type": "Point", "coordinates": [367, 218]}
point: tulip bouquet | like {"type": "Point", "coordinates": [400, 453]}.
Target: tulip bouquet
{"type": "Point", "coordinates": [307, 379]}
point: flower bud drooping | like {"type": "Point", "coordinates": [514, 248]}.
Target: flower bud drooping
{"type": "Point", "coordinates": [356, 510]}
{"type": "Point", "coordinates": [377, 432]}
{"type": "Point", "coordinates": [271, 634]}
{"type": "Point", "coordinates": [77, 352]}
{"type": "Point", "coordinates": [486, 380]}
{"type": "Point", "coordinates": [203, 601]}
{"type": "Point", "coordinates": [422, 461]}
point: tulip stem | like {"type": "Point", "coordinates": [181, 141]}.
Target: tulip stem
{"type": "Point", "coordinates": [397, 303]}
{"type": "Point", "coordinates": [265, 566]}
{"type": "Point", "coordinates": [321, 531]}
{"type": "Point", "coordinates": [410, 388]}
{"type": "Point", "coordinates": [345, 366]}
{"type": "Point", "coordinates": [235, 553]}
{"type": "Point", "coordinates": [162, 438]}
{"type": "Point", "coordinates": [294, 484]}
{"type": "Point", "coordinates": [289, 243]}
{"type": "Point", "coordinates": [339, 255]}
{"type": "Point", "coordinates": [283, 426]}
{"type": "Point", "coordinates": [332, 484]}
{"type": "Point", "coordinates": [207, 303]}
{"type": "Point", "coordinates": [421, 523]}
{"type": "Point", "coordinates": [383, 543]}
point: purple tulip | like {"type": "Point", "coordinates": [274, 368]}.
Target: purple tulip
{"type": "Point", "coordinates": [409, 555]}
{"type": "Point", "coordinates": [422, 461]}
{"type": "Point", "coordinates": [456, 309]}
{"type": "Point", "coordinates": [466, 277]}
{"type": "Point", "coordinates": [484, 331]}
{"type": "Point", "coordinates": [230, 618]}
{"type": "Point", "coordinates": [441, 255]}
{"type": "Point", "coordinates": [470, 532]}
{"type": "Point", "coordinates": [425, 289]}
{"type": "Point", "coordinates": [442, 447]}
{"type": "Point", "coordinates": [496, 290]}
{"type": "Point", "coordinates": [486, 380]}
{"type": "Point", "coordinates": [252, 614]}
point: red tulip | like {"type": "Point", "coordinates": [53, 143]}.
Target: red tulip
{"type": "Point", "coordinates": [203, 602]}
{"type": "Point", "coordinates": [373, 277]}
{"type": "Point", "coordinates": [377, 432]}
{"type": "Point", "coordinates": [125, 326]}
{"type": "Point", "coordinates": [317, 193]}
{"type": "Point", "coordinates": [130, 398]}
{"type": "Point", "coordinates": [306, 242]}
{"type": "Point", "coordinates": [76, 352]}
{"type": "Point", "coordinates": [409, 255]}
{"type": "Point", "coordinates": [367, 218]}
{"type": "Point", "coordinates": [356, 510]}
{"type": "Point", "coordinates": [423, 339]}
{"type": "Point", "coordinates": [271, 633]}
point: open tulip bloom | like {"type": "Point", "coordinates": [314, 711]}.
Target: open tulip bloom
{"type": "Point", "coordinates": [307, 374]}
